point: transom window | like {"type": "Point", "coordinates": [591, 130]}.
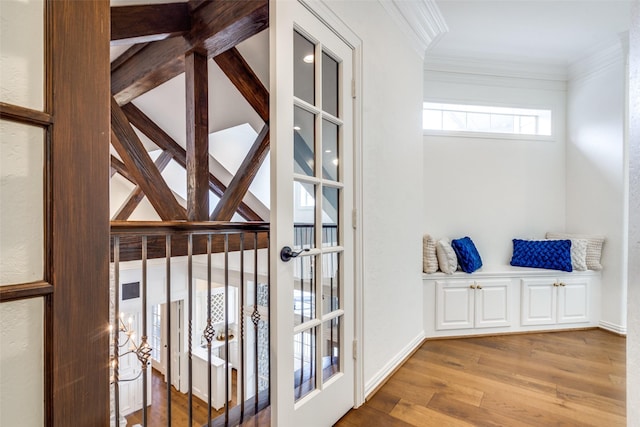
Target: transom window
{"type": "Point", "coordinates": [487, 119]}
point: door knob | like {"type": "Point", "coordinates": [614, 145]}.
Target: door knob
{"type": "Point", "coordinates": [287, 253]}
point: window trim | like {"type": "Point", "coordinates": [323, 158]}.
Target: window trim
{"type": "Point", "coordinates": [490, 135]}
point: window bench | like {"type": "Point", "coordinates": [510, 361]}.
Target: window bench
{"type": "Point", "coordinates": [509, 299]}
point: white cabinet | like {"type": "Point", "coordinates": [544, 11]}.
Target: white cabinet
{"type": "Point", "coordinates": [491, 302]}
{"type": "Point", "coordinates": [552, 300]}
{"type": "Point", "coordinates": [218, 378]}
{"type": "Point", "coordinates": [469, 304]}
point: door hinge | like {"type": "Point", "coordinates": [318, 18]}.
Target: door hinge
{"type": "Point", "coordinates": [353, 88]}
{"type": "Point", "coordinates": [354, 218]}
{"type": "Point", "coordinates": [355, 349]}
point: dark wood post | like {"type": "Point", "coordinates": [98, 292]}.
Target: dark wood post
{"type": "Point", "coordinates": [80, 212]}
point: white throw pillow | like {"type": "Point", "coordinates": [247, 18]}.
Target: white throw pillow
{"type": "Point", "coordinates": [447, 259]}
{"type": "Point", "coordinates": [429, 258]}
{"type": "Point", "coordinates": [594, 247]}
{"type": "Point", "coordinates": [579, 254]}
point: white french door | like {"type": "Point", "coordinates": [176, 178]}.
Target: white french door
{"type": "Point", "coordinates": [312, 205]}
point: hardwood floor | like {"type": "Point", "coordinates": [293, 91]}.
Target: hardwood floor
{"type": "Point", "coordinates": [157, 412]}
{"type": "Point", "coordinates": [572, 378]}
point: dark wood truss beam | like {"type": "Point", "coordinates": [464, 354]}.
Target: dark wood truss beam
{"type": "Point", "coordinates": [131, 247]}
{"type": "Point", "coordinates": [243, 178]}
{"type": "Point", "coordinates": [151, 66]}
{"type": "Point", "coordinates": [137, 194]}
{"type": "Point", "coordinates": [220, 25]}
{"type": "Point", "coordinates": [245, 80]}
{"type": "Point", "coordinates": [126, 55]}
{"type": "Point", "coordinates": [164, 141]}
{"type": "Point", "coordinates": [141, 167]}
{"type": "Point", "coordinates": [144, 23]}
{"type": "Point", "coordinates": [197, 91]}
{"type": "Point", "coordinates": [119, 167]}
{"type": "Point", "coordinates": [216, 26]}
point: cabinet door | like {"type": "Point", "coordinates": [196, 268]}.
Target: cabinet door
{"type": "Point", "coordinates": [539, 301]}
{"type": "Point", "coordinates": [493, 299]}
{"type": "Point", "coordinates": [573, 301]}
{"type": "Point", "coordinates": [454, 305]}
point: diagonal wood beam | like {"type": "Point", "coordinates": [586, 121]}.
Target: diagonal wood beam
{"type": "Point", "coordinates": [151, 66]}
{"type": "Point", "coordinates": [197, 91]}
{"type": "Point", "coordinates": [216, 26]}
{"type": "Point", "coordinates": [220, 25]}
{"type": "Point", "coordinates": [137, 194]}
{"type": "Point", "coordinates": [119, 167]}
{"type": "Point", "coordinates": [164, 141]}
{"type": "Point", "coordinates": [141, 167]}
{"type": "Point", "coordinates": [243, 178]}
{"type": "Point", "coordinates": [144, 23]}
{"type": "Point", "coordinates": [245, 80]}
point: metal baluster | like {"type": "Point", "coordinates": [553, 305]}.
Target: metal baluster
{"type": "Point", "coordinates": [256, 320]}
{"type": "Point", "coordinates": [190, 327]}
{"type": "Point", "coordinates": [144, 346]}
{"type": "Point", "coordinates": [168, 306]}
{"type": "Point", "coordinates": [226, 329]}
{"type": "Point", "coordinates": [209, 331]}
{"type": "Point", "coordinates": [240, 374]}
{"type": "Point", "coordinates": [116, 327]}
{"type": "Point", "coordinates": [269, 316]}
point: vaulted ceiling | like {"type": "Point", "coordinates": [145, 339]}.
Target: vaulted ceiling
{"type": "Point", "coordinates": [183, 85]}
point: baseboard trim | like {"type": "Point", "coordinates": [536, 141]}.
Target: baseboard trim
{"type": "Point", "coordinates": [612, 327]}
{"type": "Point", "coordinates": [381, 377]}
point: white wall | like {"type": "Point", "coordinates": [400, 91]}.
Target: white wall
{"type": "Point", "coordinates": [21, 215]}
{"type": "Point", "coordinates": [595, 170]}
{"type": "Point", "coordinates": [494, 190]}
{"type": "Point", "coordinates": [633, 336]}
{"type": "Point", "coordinates": [392, 180]}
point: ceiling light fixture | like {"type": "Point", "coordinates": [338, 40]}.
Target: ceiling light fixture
{"type": "Point", "coordinates": [296, 128]}
{"type": "Point", "coordinates": [308, 59]}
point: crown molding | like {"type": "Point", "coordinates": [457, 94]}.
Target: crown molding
{"type": "Point", "coordinates": [592, 65]}
{"type": "Point", "coordinates": [420, 20]}
{"type": "Point", "coordinates": [496, 68]}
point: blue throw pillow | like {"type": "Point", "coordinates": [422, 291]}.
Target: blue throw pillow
{"type": "Point", "coordinates": [551, 254]}
{"type": "Point", "coordinates": [468, 256]}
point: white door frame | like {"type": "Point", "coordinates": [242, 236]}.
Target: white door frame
{"type": "Point", "coordinates": [332, 21]}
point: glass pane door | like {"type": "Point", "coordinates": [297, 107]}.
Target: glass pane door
{"type": "Point", "coordinates": [318, 188]}
{"type": "Point", "coordinates": [311, 212]}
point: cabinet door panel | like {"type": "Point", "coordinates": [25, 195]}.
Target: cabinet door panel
{"type": "Point", "coordinates": [492, 303]}
{"type": "Point", "coordinates": [538, 301]}
{"type": "Point", "coordinates": [454, 305]}
{"type": "Point", "coordinates": [573, 301]}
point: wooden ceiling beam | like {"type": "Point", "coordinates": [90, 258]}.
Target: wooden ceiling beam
{"type": "Point", "coordinates": [150, 22]}
{"type": "Point", "coordinates": [220, 25]}
{"type": "Point", "coordinates": [143, 123]}
{"type": "Point", "coordinates": [245, 80]}
{"type": "Point", "coordinates": [137, 194]}
{"type": "Point", "coordinates": [197, 91]}
{"type": "Point", "coordinates": [119, 167]}
{"type": "Point", "coordinates": [216, 26]}
{"type": "Point", "coordinates": [243, 178]}
{"type": "Point", "coordinates": [141, 167]}
{"type": "Point", "coordinates": [151, 66]}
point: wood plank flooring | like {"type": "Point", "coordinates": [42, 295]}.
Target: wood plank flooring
{"type": "Point", "coordinates": [574, 378]}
